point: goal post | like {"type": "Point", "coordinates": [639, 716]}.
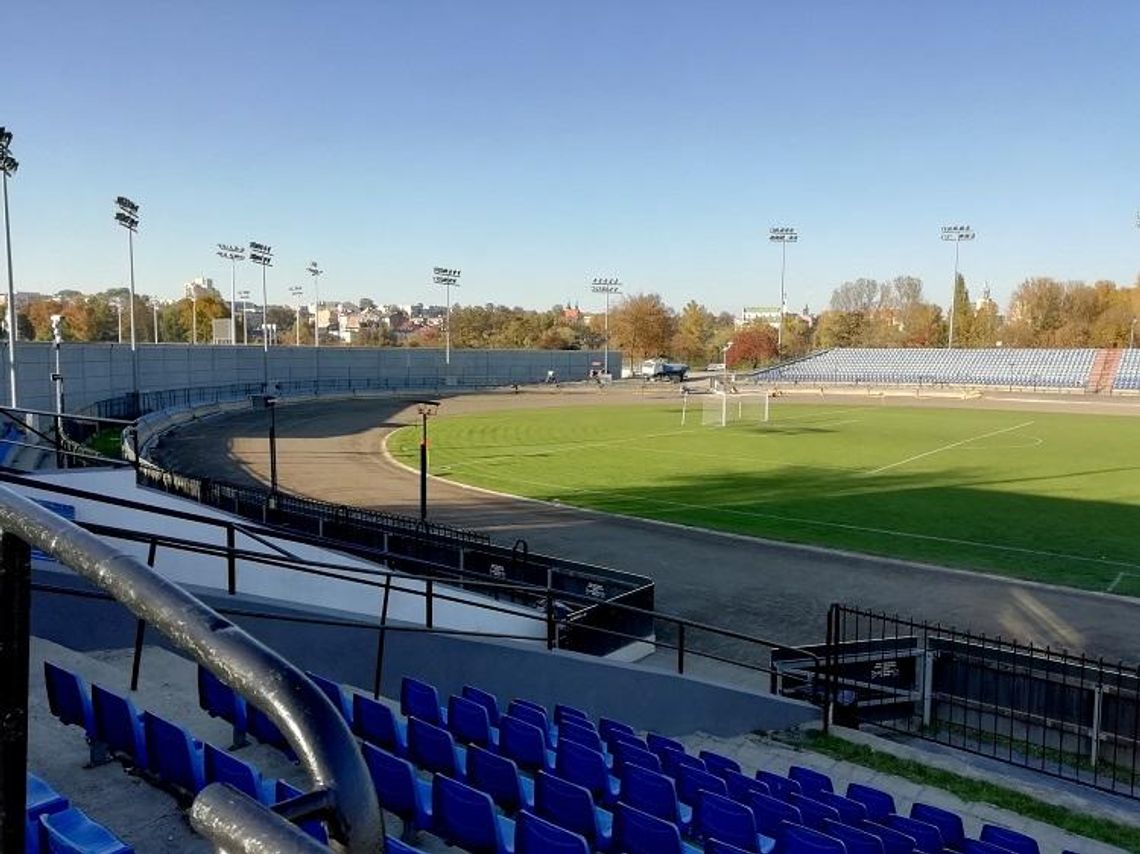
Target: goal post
{"type": "Point", "coordinates": [721, 408]}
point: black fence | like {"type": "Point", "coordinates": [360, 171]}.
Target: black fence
{"type": "Point", "coordinates": [1065, 715]}
{"type": "Point", "coordinates": [602, 607]}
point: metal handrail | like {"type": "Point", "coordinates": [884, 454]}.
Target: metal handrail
{"type": "Point", "coordinates": [307, 719]}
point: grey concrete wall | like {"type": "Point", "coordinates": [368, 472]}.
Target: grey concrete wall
{"type": "Point", "coordinates": [644, 697]}
{"type": "Point", "coordinates": [94, 372]}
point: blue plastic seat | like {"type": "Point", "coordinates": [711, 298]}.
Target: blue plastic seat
{"type": "Point", "coordinates": [266, 731]}
{"type": "Point", "coordinates": [718, 817]}
{"type": "Point", "coordinates": [692, 781]}
{"type": "Point", "coordinates": [571, 730]}
{"type": "Point", "coordinates": [69, 697]}
{"type": "Point", "coordinates": [626, 753]}
{"type": "Point", "coordinates": [175, 755]}
{"type": "Point", "coordinates": [927, 837]}
{"type": "Point", "coordinates": [535, 716]}
{"type": "Point", "coordinates": [879, 804]}
{"type": "Point", "coordinates": [335, 693]}
{"type": "Point", "coordinates": [813, 811]}
{"type": "Point", "coordinates": [673, 760]}
{"type": "Point", "coordinates": [810, 781]}
{"type": "Point", "coordinates": [655, 794]}
{"type": "Point", "coordinates": [976, 846]}
{"type": "Point", "coordinates": [118, 725]}
{"type": "Point", "coordinates": [221, 766]}
{"type": "Point", "coordinates": [524, 743]}
{"type": "Point", "coordinates": [659, 743]}
{"type": "Point", "coordinates": [857, 841]}
{"type": "Point", "coordinates": [850, 812]}
{"type": "Point", "coordinates": [607, 727]}
{"type": "Point", "coordinates": [219, 700]}
{"type": "Point", "coordinates": [563, 712]}
{"type": "Point", "coordinates": [466, 817]}
{"type": "Point", "coordinates": [770, 814]}
{"type": "Point", "coordinates": [70, 831]}
{"type": "Point", "coordinates": [399, 790]}
{"type": "Point", "coordinates": [484, 699]}
{"type": "Point", "coordinates": [433, 749]}
{"type": "Point", "coordinates": [420, 700]}
{"type": "Point", "coordinates": [468, 722]}
{"type": "Point", "coordinates": [40, 799]}
{"type": "Point", "coordinates": [637, 832]}
{"type": "Point", "coordinates": [781, 787]}
{"type": "Point", "coordinates": [570, 806]}
{"type": "Point", "coordinates": [717, 764]}
{"type": "Point", "coordinates": [894, 841]}
{"type": "Point", "coordinates": [1003, 837]}
{"type": "Point", "coordinates": [586, 767]}
{"type": "Point", "coordinates": [802, 840]}
{"type": "Point", "coordinates": [948, 823]}
{"type": "Point", "coordinates": [499, 777]}
{"type": "Point", "coordinates": [376, 724]}
{"type": "Point", "coordinates": [619, 737]}
{"type": "Point", "coordinates": [534, 835]}
{"type": "Point", "coordinates": [741, 787]}
{"type": "Point", "coordinates": [313, 827]}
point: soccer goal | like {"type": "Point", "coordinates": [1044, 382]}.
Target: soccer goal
{"type": "Point", "coordinates": [721, 408]}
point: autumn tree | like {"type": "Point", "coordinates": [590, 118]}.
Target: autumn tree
{"type": "Point", "coordinates": [753, 345]}
{"type": "Point", "coordinates": [642, 326]}
{"type": "Point", "coordinates": [695, 330]}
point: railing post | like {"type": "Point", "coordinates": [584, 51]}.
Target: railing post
{"type": "Point", "coordinates": [828, 668]}
{"type": "Point", "coordinates": [1098, 705]}
{"type": "Point", "coordinates": [680, 647]}
{"type": "Point", "coordinates": [550, 627]}
{"type": "Point", "coordinates": [429, 605]}
{"type": "Point", "coordinates": [927, 683]}
{"type": "Point", "coordinates": [231, 560]}
{"type": "Point", "coordinates": [381, 638]}
{"type": "Point", "coordinates": [15, 605]}
{"type": "Point", "coordinates": [136, 662]}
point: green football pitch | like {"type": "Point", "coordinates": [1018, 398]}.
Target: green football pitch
{"type": "Point", "coordinates": [1051, 497]}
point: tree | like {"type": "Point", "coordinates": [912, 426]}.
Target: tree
{"type": "Point", "coordinates": [861, 295]}
{"type": "Point", "coordinates": [841, 329]}
{"type": "Point", "coordinates": [642, 325]}
{"type": "Point", "coordinates": [753, 345]}
{"type": "Point", "coordinates": [1036, 312]}
{"type": "Point", "coordinates": [962, 316]}
{"type": "Point", "coordinates": [695, 329]}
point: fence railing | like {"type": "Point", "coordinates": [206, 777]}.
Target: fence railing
{"type": "Point", "coordinates": [1062, 714]}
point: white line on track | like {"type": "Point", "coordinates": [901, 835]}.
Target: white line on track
{"type": "Point", "coordinates": [948, 447]}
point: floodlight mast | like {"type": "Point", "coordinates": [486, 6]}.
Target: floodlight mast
{"type": "Point", "coordinates": [127, 215]}
{"type": "Point", "coordinates": [8, 166]}
{"type": "Point", "coordinates": [607, 287]}
{"type": "Point", "coordinates": [449, 279]}
{"type": "Point", "coordinates": [233, 254]}
{"type": "Point", "coordinates": [262, 255]}
{"type": "Point", "coordinates": [783, 235]}
{"type": "Point", "coordinates": [244, 297]}
{"type": "Point", "coordinates": [314, 271]}
{"type": "Point", "coordinates": [297, 291]}
{"type": "Point", "coordinates": [955, 234]}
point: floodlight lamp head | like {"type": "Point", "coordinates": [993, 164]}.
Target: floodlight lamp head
{"type": "Point", "coordinates": [125, 204]}
{"type": "Point", "coordinates": [8, 164]}
{"type": "Point", "coordinates": [5, 137]}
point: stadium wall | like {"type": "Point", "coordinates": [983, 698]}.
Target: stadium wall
{"type": "Point", "coordinates": [95, 371]}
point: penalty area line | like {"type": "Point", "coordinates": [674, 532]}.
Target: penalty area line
{"type": "Point", "coordinates": [949, 447]}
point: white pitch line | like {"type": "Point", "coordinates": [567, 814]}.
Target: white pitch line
{"type": "Point", "coordinates": [948, 447]}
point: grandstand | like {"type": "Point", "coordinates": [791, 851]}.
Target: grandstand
{"type": "Point", "coordinates": [997, 367]}
{"type": "Point", "coordinates": [1128, 374]}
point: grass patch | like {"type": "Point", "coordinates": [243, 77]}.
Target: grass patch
{"type": "Point", "coordinates": [977, 791]}
{"type": "Point", "coordinates": [1051, 497]}
{"type": "Point", "coordinates": [108, 443]}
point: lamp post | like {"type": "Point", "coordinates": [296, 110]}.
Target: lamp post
{"type": "Point", "coordinates": [1132, 335]}
{"type": "Point", "coordinates": [449, 279]}
{"type": "Point", "coordinates": [426, 408]}
{"type": "Point", "coordinates": [271, 405]}
{"type": "Point", "coordinates": [262, 255]}
{"type": "Point", "coordinates": [193, 313]}
{"type": "Point", "coordinates": [127, 215]}
{"type": "Point", "coordinates": [57, 382]}
{"type": "Point", "coordinates": [118, 304]}
{"type": "Point", "coordinates": [956, 234]}
{"type": "Point", "coordinates": [8, 166]}
{"type": "Point", "coordinates": [233, 254]}
{"type": "Point", "coordinates": [782, 235]}
{"type": "Point", "coordinates": [244, 297]}
{"type": "Point", "coordinates": [607, 287]}
{"type": "Point", "coordinates": [314, 271]}
{"type": "Point", "coordinates": [297, 291]}
{"type": "Point", "coordinates": [154, 307]}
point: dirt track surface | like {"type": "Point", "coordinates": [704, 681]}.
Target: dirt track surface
{"type": "Point", "coordinates": [332, 450]}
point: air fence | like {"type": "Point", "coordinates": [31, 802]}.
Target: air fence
{"type": "Point", "coordinates": [1049, 710]}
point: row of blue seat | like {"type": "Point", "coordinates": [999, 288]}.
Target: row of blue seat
{"type": "Point", "coordinates": [53, 826]}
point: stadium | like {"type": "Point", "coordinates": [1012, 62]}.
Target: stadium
{"type": "Point", "coordinates": [884, 550]}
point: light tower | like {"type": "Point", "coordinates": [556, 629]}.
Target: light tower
{"type": "Point", "coordinates": [127, 215]}
{"type": "Point", "coordinates": [449, 279]}
{"type": "Point", "coordinates": [782, 235]}
{"type": "Point", "coordinates": [956, 234]}
{"type": "Point", "coordinates": [314, 271]}
{"type": "Point", "coordinates": [297, 292]}
{"type": "Point", "coordinates": [8, 166]}
{"type": "Point", "coordinates": [233, 254]}
{"type": "Point", "coordinates": [607, 287]}
{"type": "Point", "coordinates": [244, 297]}
{"type": "Point", "coordinates": [262, 256]}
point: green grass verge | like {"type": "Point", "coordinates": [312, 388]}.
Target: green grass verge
{"type": "Point", "coordinates": [108, 443]}
{"type": "Point", "coordinates": [978, 791]}
{"type": "Point", "coordinates": [1045, 496]}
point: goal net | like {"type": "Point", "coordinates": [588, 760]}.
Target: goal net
{"type": "Point", "coordinates": [722, 408]}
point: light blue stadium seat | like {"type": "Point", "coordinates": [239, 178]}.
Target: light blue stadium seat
{"type": "Point", "coordinates": [399, 790]}
{"type": "Point", "coordinates": [176, 757]}
{"type": "Point", "coordinates": [563, 712]}
{"type": "Point", "coordinates": [771, 813]}
{"type": "Point", "coordinates": [524, 743]}
{"type": "Point", "coordinates": [499, 777]}
{"type": "Point", "coordinates": [1003, 837]}
{"type": "Point", "coordinates": [927, 837]}
{"type": "Point", "coordinates": [570, 806]}
{"type": "Point", "coordinates": [741, 787]}
{"type": "Point", "coordinates": [780, 786]}
{"type": "Point", "coordinates": [376, 724]}
{"type": "Point", "coordinates": [658, 744]}
{"type": "Point", "coordinates": [485, 699]}
{"type": "Point", "coordinates": [587, 736]}
{"type": "Point", "coordinates": [878, 803]}
{"type": "Point", "coordinates": [850, 812]}
{"type": "Point", "coordinates": [534, 715]}
{"type": "Point", "coordinates": [335, 693]}
{"type": "Point", "coordinates": [814, 812]}
{"type": "Point", "coordinates": [40, 799]}
{"type": "Point", "coordinates": [656, 795]}
{"type": "Point", "coordinates": [221, 701]}
{"type": "Point", "coordinates": [466, 817]}
{"type": "Point", "coordinates": [70, 831]}
{"type": "Point", "coordinates": [857, 841]}
{"type": "Point", "coordinates": [948, 823]}
{"type": "Point", "coordinates": [69, 697]}
{"type": "Point", "coordinates": [692, 781]}
{"type": "Point", "coordinates": [719, 817]}
{"type": "Point", "coordinates": [637, 832]}
{"type": "Point", "coordinates": [534, 835]}
{"type": "Point", "coordinates": [469, 723]}
{"type": "Point", "coordinates": [118, 725]}
{"type": "Point", "coordinates": [220, 766]}
{"type": "Point", "coordinates": [810, 781]}
{"type": "Point", "coordinates": [717, 764]}
{"type": "Point", "coordinates": [801, 840]}
{"type": "Point", "coordinates": [420, 700]}
{"type": "Point", "coordinates": [433, 749]}
{"type": "Point", "coordinates": [587, 767]}
{"type": "Point", "coordinates": [894, 841]}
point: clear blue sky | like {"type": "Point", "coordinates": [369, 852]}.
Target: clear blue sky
{"type": "Point", "coordinates": [536, 144]}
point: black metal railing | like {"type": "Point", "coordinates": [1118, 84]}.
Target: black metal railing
{"type": "Point", "coordinates": [1060, 713]}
